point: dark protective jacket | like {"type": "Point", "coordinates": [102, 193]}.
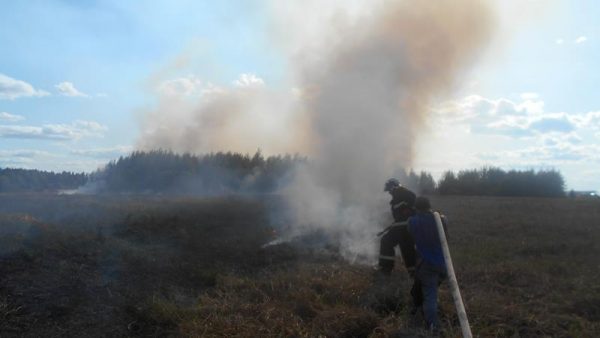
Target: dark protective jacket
{"type": "Point", "coordinates": [402, 204]}
{"type": "Point", "coordinates": [424, 232]}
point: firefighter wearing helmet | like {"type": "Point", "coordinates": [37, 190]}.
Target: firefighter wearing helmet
{"type": "Point", "coordinates": [402, 206]}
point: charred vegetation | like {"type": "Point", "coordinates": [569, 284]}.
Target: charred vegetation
{"type": "Point", "coordinates": [155, 266]}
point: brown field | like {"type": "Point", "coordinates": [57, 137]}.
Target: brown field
{"type": "Point", "coordinates": [157, 266]}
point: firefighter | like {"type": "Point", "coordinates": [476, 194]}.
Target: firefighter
{"type": "Point", "coordinates": [402, 205]}
{"type": "Point", "coordinates": [431, 267]}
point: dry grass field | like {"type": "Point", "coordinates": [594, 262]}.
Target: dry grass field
{"type": "Point", "coordinates": [109, 266]}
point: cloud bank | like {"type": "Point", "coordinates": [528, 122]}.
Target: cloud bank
{"type": "Point", "coordinates": [11, 89]}
{"type": "Point", "coordinates": [4, 116]}
{"type": "Point", "coordinates": [516, 119]}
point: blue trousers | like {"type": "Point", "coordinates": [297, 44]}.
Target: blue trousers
{"type": "Point", "coordinates": [428, 278]}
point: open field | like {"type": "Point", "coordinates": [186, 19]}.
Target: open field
{"type": "Point", "coordinates": [182, 266]}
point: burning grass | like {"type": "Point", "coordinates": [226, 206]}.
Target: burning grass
{"type": "Point", "coordinates": [142, 266]}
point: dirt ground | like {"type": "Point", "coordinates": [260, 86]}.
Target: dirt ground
{"type": "Point", "coordinates": [110, 266]}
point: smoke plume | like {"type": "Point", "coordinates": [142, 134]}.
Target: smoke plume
{"type": "Point", "coordinates": [365, 74]}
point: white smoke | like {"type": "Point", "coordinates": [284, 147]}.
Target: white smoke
{"type": "Point", "coordinates": [372, 81]}
{"type": "Point", "coordinates": [365, 74]}
{"type": "Point", "coordinates": [198, 117]}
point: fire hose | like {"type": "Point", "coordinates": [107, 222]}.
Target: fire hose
{"type": "Point", "coordinates": [382, 232]}
{"type": "Point", "coordinates": [460, 307]}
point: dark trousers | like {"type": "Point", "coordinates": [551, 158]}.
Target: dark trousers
{"type": "Point", "coordinates": [424, 292]}
{"type": "Point", "coordinates": [416, 293]}
{"type": "Point", "coordinates": [397, 235]}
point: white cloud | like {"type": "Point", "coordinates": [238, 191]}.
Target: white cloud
{"type": "Point", "coordinates": [532, 106]}
{"type": "Point", "coordinates": [249, 80]}
{"type": "Point", "coordinates": [4, 116]}
{"type": "Point", "coordinates": [581, 39]}
{"type": "Point", "coordinates": [467, 108]}
{"type": "Point", "coordinates": [11, 89]}
{"type": "Point", "coordinates": [192, 86]}
{"type": "Point", "coordinates": [212, 89]}
{"type": "Point", "coordinates": [573, 138]}
{"type": "Point", "coordinates": [475, 107]}
{"type": "Point", "coordinates": [589, 120]}
{"type": "Point", "coordinates": [559, 41]}
{"type": "Point", "coordinates": [526, 126]}
{"type": "Point", "coordinates": [183, 86]}
{"type": "Point", "coordinates": [73, 131]}
{"type": "Point", "coordinates": [513, 126]}
{"type": "Point", "coordinates": [524, 118]}
{"type": "Point", "coordinates": [68, 89]}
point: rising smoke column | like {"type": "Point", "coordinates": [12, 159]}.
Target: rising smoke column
{"type": "Point", "coordinates": [366, 73]}
{"type": "Point", "coordinates": [371, 90]}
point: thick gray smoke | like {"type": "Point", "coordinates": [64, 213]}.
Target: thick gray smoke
{"type": "Point", "coordinates": [365, 75]}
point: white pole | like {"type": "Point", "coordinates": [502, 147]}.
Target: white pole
{"type": "Point", "coordinates": [460, 307]}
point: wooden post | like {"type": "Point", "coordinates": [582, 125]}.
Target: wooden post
{"type": "Point", "coordinates": [460, 307]}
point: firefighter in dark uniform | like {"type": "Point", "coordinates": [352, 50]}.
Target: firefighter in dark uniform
{"type": "Point", "coordinates": [402, 205]}
{"type": "Point", "coordinates": [431, 266]}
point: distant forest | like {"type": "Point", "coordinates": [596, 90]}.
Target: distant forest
{"type": "Point", "coordinates": [163, 171]}
{"type": "Point", "coordinates": [215, 173]}
{"type": "Point", "coordinates": [25, 180]}
{"type": "Point", "coordinates": [497, 182]}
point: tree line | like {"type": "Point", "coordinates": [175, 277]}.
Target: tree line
{"type": "Point", "coordinates": [214, 173]}
{"type": "Point", "coordinates": [497, 182]}
{"type": "Point", "coordinates": [30, 180]}
{"type": "Point", "coordinates": [163, 171]}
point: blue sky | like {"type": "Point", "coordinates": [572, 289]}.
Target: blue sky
{"type": "Point", "coordinates": [75, 74]}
